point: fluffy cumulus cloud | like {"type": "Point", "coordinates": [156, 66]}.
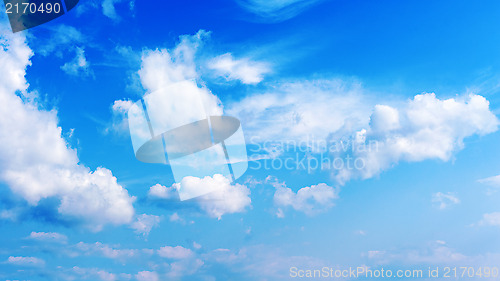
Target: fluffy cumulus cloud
{"type": "Point", "coordinates": [424, 128]}
{"type": "Point", "coordinates": [119, 110]}
{"type": "Point", "coordinates": [162, 192]}
{"type": "Point", "coordinates": [244, 70]}
{"type": "Point", "coordinates": [163, 67]}
{"type": "Point", "coordinates": [36, 161]}
{"type": "Point", "coordinates": [173, 96]}
{"type": "Point", "coordinates": [444, 200]}
{"type": "Point", "coordinates": [226, 198]}
{"type": "Point", "coordinates": [310, 199]}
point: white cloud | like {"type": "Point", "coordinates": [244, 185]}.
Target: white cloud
{"type": "Point", "coordinates": [163, 192]}
{"type": "Point", "coordinates": [62, 38]}
{"type": "Point", "coordinates": [227, 199]}
{"type": "Point", "coordinates": [196, 246]}
{"type": "Point", "coordinates": [493, 182]}
{"type": "Point", "coordinates": [93, 274]}
{"type": "Point", "coordinates": [310, 200]}
{"type": "Point", "coordinates": [262, 262]}
{"type": "Point", "coordinates": [436, 252]}
{"type": "Point", "coordinates": [36, 161]}
{"type": "Point", "coordinates": [276, 10]}
{"type": "Point", "coordinates": [25, 261]}
{"type": "Point", "coordinates": [384, 119]}
{"type": "Point", "coordinates": [119, 109]}
{"type": "Point", "coordinates": [122, 106]}
{"type": "Point", "coordinates": [79, 66]}
{"type": "Point", "coordinates": [144, 223]}
{"type": "Point", "coordinates": [185, 267]}
{"type": "Point", "coordinates": [430, 129]}
{"type": "Point", "coordinates": [177, 252]}
{"type": "Point", "coordinates": [107, 251]}
{"type": "Point", "coordinates": [49, 236]}
{"type": "Point", "coordinates": [176, 218]}
{"type": "Point", "coordinates": [492, 219]}
{"type": "Point", "coordinates": [175, 70]}
{"type": "Point", "coordinates": [147, 276]}
{"type": "Point", "coordinates": [245, 70]}
{"type": "Point", "coordinates": [108, 9]}
{"type": "Point", "coordinates": [443, 200]}
{"type": "Point", "coordinates": [280, 214]}
{"type": "Point", "coordinates": [106, 276]}
{"type": "Point", "coordinates": [360, 232]}
{"type": "Point", "coordinates": [302, 111]}
{"type": "Point", "coordinates": [164, 67]}
{"type": "Point", "coordinates": [11, 214]}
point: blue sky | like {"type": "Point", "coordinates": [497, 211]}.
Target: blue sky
{"type": "Point", "coordinates": [418, 80]}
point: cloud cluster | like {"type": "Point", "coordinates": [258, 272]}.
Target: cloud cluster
{"type": "Point", "coordinates": [342, 116]}
{"type": "Point", "coordinates": [227, 198]}
{"type": "Point", "coordinates": [37, 163]}
{"type": "Point", "coordinates": [145, 223]}
{"type": "Point", "coordinates": [100, 249]}
{"type": "Point", "coordinates": [424, 128]}
{"type": "Point", "coordinates": [177, 252]}
{"type": "Point", "coordinates": [310, 199]}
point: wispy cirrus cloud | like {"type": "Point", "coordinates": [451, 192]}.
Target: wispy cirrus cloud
{"type": "Point", "coordinates": [444, 200]}
{"type": "Point", "coordinates": [276, 10]}
{"type": "Point", "coordinates": [245, 70]}
{"type": "Point", "coordinates": [79, 66]}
